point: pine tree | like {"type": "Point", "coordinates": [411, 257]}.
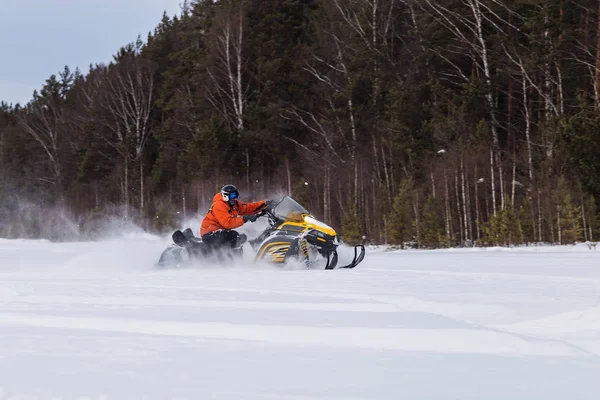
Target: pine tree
{"type": "Point", "coordinates": [504, 229]}
{"type": "Point", "coordinates": [430, 230]}
{"type": "Point", "coordinates": [526, 221]}
{"type": "Point", "coordinates": [351, 227]}
{"type": "Point", "coordinates": [399, 223]}
{"type": "Point", "coordinates": [568, 215]}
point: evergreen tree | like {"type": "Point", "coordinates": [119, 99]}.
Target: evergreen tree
{"type": "Point", "coordinates": [351, 227]}
{"type": "Point", "coordinates": [399, 223]}
{"type": "Point", "coordinates": [504, 229]}
{"type": "Point", "coordinates": [431, 234]}
{"type": "Point", "coordinates": [568, 215]}
{"type": "Point", "coordinates": [526, 221]}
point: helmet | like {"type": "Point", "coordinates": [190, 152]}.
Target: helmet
{"type": "Point", "coordinates": [230, 194]}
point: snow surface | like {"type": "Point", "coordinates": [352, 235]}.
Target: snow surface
{"type": "Point", "coordinates": [97, 320]}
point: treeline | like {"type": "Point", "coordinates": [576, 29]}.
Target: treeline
{"type": "Point", "coordinates": [426, 123]}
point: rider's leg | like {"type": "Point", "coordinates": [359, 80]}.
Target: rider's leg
{"type": "Point", "coordinates": [225, 242]}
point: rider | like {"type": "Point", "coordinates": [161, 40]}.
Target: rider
{"type": "Point", "coordinates": [227, 213]}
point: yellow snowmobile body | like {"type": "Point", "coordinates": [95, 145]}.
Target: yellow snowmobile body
{"type": "Point", "coordinates": [295, 234]}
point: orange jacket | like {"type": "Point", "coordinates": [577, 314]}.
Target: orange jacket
{"type": "Point", "coordinates": [223, 216]}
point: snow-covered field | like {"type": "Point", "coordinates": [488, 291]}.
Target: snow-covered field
{"type": "Point", "coordinates": [98, 321]}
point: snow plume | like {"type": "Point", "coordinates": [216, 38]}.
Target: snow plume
{"type": "Point", "coordinates": [21, 218]}
{"type": "Point", "coordinates": [24, 218]}
{"type": "Point", "coordinates": [110, 223]}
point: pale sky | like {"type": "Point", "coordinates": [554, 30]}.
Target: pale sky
{"type": "Point", "coordinates": [39, 37]}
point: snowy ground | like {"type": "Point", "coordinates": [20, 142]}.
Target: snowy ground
{"type": "Point", "coordinates": [98, 321]}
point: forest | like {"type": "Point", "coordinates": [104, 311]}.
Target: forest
{"type": "Point", "coordinates": [417, 123]}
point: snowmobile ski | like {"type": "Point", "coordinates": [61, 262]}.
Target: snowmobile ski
{"type": "Point", "coordinates": [358, 257]}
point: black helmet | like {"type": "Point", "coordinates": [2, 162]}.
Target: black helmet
{"type": "Point", "coordinates": [230, 194]}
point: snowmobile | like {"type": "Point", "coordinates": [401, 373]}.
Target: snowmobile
{"type": "Point", "coordinates": [293, 235]}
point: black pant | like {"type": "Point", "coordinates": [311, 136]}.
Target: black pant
{"type": "Point", "coordinates": [223, 239]}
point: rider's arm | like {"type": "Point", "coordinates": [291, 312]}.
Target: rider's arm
{"type": "Point", "coordinates": [251, 208]}
{"type": "Point", "coordinates": [221, 212]}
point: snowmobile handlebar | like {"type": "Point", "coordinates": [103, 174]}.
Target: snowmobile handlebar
{"type": "Point", "coordinates": [268, 211]}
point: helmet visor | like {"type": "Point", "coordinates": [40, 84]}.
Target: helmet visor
{"type": "Point", "coordinates": [233, 195]}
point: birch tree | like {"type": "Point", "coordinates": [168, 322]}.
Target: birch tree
{"type": "Point", "coordinates": [372, 24]}
{"type": "Point", "coordinates": [44, 120]}
{"type": "Point", "coordinates": [121, 98]}
{"type": "Point", "coordinates": [471, 26]}
{"type": "Point", "coordinates": [227, 90]}
{"type": "Point", "coordinates": [330, 66]}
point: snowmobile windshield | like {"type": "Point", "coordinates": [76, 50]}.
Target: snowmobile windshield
{"type": "Point", "coordinates": [290, 210]}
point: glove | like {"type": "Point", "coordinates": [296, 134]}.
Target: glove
{"type": "Point", "coordinates": [271, 204]}
{"type": "Point", "coordinates": [250, 218]}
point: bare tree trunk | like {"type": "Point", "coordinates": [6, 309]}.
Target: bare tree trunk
{"type": "Point", "coordinates": [376, 162]}
{"type": "Point", "coordinates": [558, 227]}
{"type": "Point", "coordinates": [597, 74]}
{"type": "Point", "coordinates": [533, 221]}
{"type": "Point", "coordinates": [392, 176]}
{"type": "Point", "coordinates": [289, 176]}
{"type": "Point", "coordinates": [126, 187]}
{"type": "Point", "coordinates": [469, 212]}
{"type": "Point", "coordinates": [514, 176]}
{"type": "Point", "coordinates": [492, 181]}
{"type": "Point", "coordinates": [376, 208]}
{"type": "Point", "coordinates": [585, 234]}
{"type": "Point", "coordinates": [464, 198]}
{"type": "Point", "coordinates": [355, 182]}
{"type": "Point", "coordinates": [327, 194]}
{"type": "Point", "coordinates": [528, 130]}
{"type": "Point", "coordinates": [240, 97]}
{"type": "Point", "coordinates": [475, 8]}
{"type": "Point", "coordinates": [129, 102]}
{"type": "Point", "coordinates": [586, 45]}
{"type": "Point", "coordinates": [387, 174]}
{"type": "Point", "coordinates": [447, 203]}
{"type": "Point", "coordinates": [141, 185]}
{"type": "Point", "coordinates": [561, 100]}
{"type": "Point", "coordinates": [42, 122]}
{"type": "Point", "coordinates": [548, 91]}
{"type": "Point", "coordinates": [460, 220]}
{"type": "Point", "coordinates": [366, 210]}
{"type": "Point", "coordinates": [551, 224]}
{"type": "Point", "coordinates": [416, 207]}
{"type": "Point", "coordinates": [547, 79]}
{"type": "Point", "coordinates": [487, 207]}
{"type": "Point", "coordinates": [464, 29]}
{"type": "Point", "coordinates": [500, 179]}
{"type": "Point", "coordinates": [525, 80]}
{"type": "Point", "coordinates": [539, 201]}
{"type": "Point", "coordinates": [353, 147]}
{"type": "Point", "coordinates": [477, 212]}
{"type": "Point", "coordinates": [227, 94]}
